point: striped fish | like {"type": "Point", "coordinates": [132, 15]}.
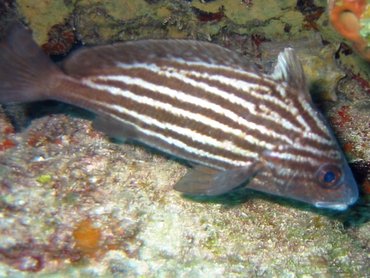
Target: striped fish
{"type": "Point", "coordinates": [199, 102]}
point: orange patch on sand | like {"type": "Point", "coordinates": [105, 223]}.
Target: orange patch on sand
{"type": "Point", "coordinates": [344, 115]}
{"type": "Point", "coordinates": [87, 237]}
{"type": "Point", "coordinates": [348, 147]}
{"type": "Point", "coordinates": [6, 144]}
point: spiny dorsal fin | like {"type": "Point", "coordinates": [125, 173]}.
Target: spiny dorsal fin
{"type": "Point", "coordinates": [289, 69]}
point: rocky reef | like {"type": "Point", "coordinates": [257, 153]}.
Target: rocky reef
{"type": "Point", "coordinates": [74, 203]}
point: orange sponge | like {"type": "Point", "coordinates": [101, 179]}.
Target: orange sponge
{"type": "Point", "coordinates": [346, 16]}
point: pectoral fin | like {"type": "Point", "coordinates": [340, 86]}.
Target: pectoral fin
{"type": "Point", "coordinates": [206, 181]}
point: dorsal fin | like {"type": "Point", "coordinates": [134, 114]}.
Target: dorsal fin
{"type": "Point", "coordinates": [93, 60]}
{"type": "Point", "coordinates": [289, 69]}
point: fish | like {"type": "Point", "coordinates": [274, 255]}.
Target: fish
{"type": "Point", "coordinates": [234, 125]}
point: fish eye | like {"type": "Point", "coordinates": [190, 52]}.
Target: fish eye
{"type": "Point", "coordinates": [329, 175]}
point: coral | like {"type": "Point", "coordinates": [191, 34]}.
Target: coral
{"type": "Point", "coordinates": [351, 19]}
{"type": "Point", "coordinates": [121, 10]}
{"type": "Point", "coordinates": [61, 38]}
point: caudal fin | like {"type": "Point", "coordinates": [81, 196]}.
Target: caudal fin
{"type": "Point", "coordinates": [26, 73]}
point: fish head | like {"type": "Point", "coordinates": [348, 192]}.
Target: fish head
{"type": "Point", "coordinates": [336, 186]}
{"type": "Point", "coordinates": [303, 172]}
{"type": "Point", "coordinates": [309, 166]}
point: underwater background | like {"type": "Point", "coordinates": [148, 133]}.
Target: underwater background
{"type": "Point", "coordinates": [75, 204]}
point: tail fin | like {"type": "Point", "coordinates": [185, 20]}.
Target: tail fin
{"type": "Point", "coordinates": [26, 73]}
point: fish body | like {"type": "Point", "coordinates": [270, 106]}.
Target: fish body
{"type": "Point", "coordinates": [199, 102]}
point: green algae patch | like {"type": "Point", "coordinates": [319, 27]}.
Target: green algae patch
{"type": "Point", "coordinates": [277, 27]}
{"type": "Point", "coordinates": [42, 15]}
{"type": "Point", "coordinates": [241, 13]}
{"type": "Point", "coordinates": [163, 12]}
{"type": "Point", "coordinates": [212, 7]}
{"type": "Point", "coordinates": [44, 179]}
{"type": "Point", "coordinates": [121, 10]}
{"type": "Point", "coordinates": [365, 25]}
{"type": "Point", "coordinates": [102, 22]}
{"type": "Point", "coordinates": [365, 31]}
{"type": "Point", "coordinates": [210, 29]}
{"type": "Point", "coordinates": [272, 22]}
{"type": "Point", "coordinates": [322, 74]}
{"type": "Point", "coordinates": [295, 20]}
{"type": "Point", "coordinates": [126, 10]}
{"type": "Point", "coordinates": [356, 64]}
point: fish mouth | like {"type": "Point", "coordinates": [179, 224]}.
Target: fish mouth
{"type": "Point", "coordinates": [335, 206]}
{"type": "Point", "coordinates": [351, 198]}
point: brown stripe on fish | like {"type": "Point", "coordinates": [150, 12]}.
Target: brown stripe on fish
{"type": "Point", "coordinates": [242, 144]}
{"type": "Point", "coordinates": [195, 88]}
{"type": "Point", "coordinates": [315, 119]}
{"type": "Point", "coordinates": [187, 91]}
{"type": "Point", "coordinates": [282, 179]}
{"type": "Point", "coordinates": [196, 106]}
{"type": "Point", "coordinates": [165, 113]}
{"type": "Point", "coordinates": [300, 158]}
{"type": "Point", "coordinates": [266, 87]}
{"type": "Point", "coordinates": [179, 109]}
{"type": "Point", "coordinates": [137, 92]}
{"type": "Point", "coordinates": [276, 181]}
{"type": "Point", "coordinates": [269, 111]}
{"type": "Point", "coordinates": [181, 75]}
{"type": "Point", "coordinates": [316, 134]}
{"type": "Point", "coordinates": [285, 108]}
{"type": "Point", "coordinates": [137, 86]}
{"type": "Point", "coordinates": [240, 73]}
{"type": "Point", "coordinates": [245, 105]}
{"type": "Point", "coordinates": [256, 92]}
{"type": "Point", "coordinates": [176, 140]}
